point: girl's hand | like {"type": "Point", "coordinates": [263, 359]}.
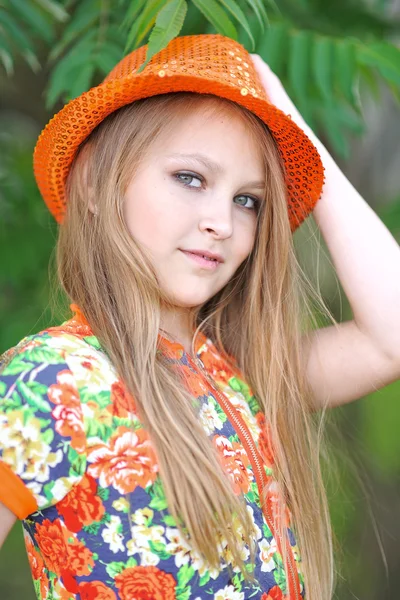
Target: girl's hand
{"type": "Point", "coordinates": [279, 97]}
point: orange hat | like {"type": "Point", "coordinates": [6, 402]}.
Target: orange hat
{"type": "Point", "coordinates": [207, 64]}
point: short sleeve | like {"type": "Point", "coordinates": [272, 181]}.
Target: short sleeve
{"type": "Point", "coordinates": [42, 438]}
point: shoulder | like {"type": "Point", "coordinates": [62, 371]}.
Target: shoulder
{"type": "Point", "coordinates": [52, 385]}
{"type": "Point", "coordinates": [52, 349]}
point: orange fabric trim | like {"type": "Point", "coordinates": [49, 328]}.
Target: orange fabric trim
{"type": "Point", "coordinates": [14, 494]}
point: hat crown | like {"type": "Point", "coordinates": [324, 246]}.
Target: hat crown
{"type": "Point", "coordinates": [211, 56]}
{"type": "Point", "coordinates": [203, 64]}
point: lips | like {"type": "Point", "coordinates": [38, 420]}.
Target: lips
{"type": "Point", "coordinates": [206, 254]}
{"type": "Point", "coordinates": [204, 262]}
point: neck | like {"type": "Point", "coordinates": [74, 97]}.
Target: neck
{"type": "Point", "coordinates": [178, 326]}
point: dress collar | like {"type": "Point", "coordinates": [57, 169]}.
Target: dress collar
{"type": "Point", "coordinates": [173, 348]}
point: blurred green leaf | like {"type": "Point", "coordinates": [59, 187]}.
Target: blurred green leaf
{"type": "Point", "coordinates": [272, 47]}
{"type": "Point", "coordinates": [322, 62]}
{"type": "Point", "coordinates": [55, 9]}
{"type": "Point", "coordinates": [345, 69]}
{"type": "Point", "coordinates": [380, 430]}
{"type": "Point", "coordinates": [86, 15]}
{"type": "Point", "coordinates": [143, 24]}
{"type": "Point", "coordinates": [385, 57]}
{"type": "Point", "coordinates": [168, 24]}
{"type": "Point", "coordinates": [217, 17]}
{"type": "Point", "coordinates": [259, 9]}
{"type": "Point", "coordinates": [233, 7]}
{"type": "Point", "coordinates": [34, 18]}
{"type": "Point", "coordinates": [71, 63]}
{"type": "Point", "coordinates": [299, 69]}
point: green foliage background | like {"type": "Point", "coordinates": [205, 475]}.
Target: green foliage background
{"type": "Point", "coordinates": [330, 57]}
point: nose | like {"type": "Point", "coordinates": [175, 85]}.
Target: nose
{"type": "Point", "coordinates": [217, 218]}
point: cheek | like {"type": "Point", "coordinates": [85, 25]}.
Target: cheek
{"type": "Point", "coordinates": [148, 218]}
{"type": "Point", "coordinates": [245, 242]}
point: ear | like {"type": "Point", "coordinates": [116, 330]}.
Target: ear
{"type": "Point", "coordinates": [92, 206]}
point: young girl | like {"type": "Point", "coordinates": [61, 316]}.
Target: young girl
{"type": "Point", "coordinates": [163, 442]}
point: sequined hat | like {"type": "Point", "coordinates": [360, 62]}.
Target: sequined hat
{"type": "Point", "coordinates": [207, 64]}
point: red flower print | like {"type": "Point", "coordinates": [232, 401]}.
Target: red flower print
{"type": "Point", "coordinates": [37, 568]}
{"type": "Point", "coordinates": [216, 366]}
{"type": "Point", "coordinates": [194, 383]}
{"type": "Point", "coordinates": [80, 559]}
{"type": "Point", "coordinates": [234, 461]}
{"type": "Point", "coordinates": [264, 441]}
{"type": "Point", "coordinates": [122, 403]}
{"type": "Point", "coordinates": [126, 462]}
{"type": "Point", "coordinates": [95, 590]}
{"type": "Point", "coordinates": [81, 506]}
{"type": "Point", "coordinates": [145, 583]}
{"type": "Point", "coordinates": [62, 553]}
{"type": "Point", "coordinates": [276, 505]}
{"type": "Point", "coordinates": [68, 411]}
{"type": "Point", "coordinates": [53, 547]}
{"type": "Point", "coordinates": [274, 593]}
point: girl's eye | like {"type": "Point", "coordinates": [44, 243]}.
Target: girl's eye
{"type": "Point", "coordinates": [255, 202]}
{"type": "Point", "coordinates": [187, 179]}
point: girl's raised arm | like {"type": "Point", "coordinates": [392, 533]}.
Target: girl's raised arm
{"type": "Point", "coordinates": [359, 356]}
{"type": "Point", "coordinates": [7, 520]}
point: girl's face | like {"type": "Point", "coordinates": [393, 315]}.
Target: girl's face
{"type": "Point", "coordinates": [197, 189]}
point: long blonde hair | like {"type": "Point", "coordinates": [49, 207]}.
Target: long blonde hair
{"type": "Point", "coordinates": [257, 318]}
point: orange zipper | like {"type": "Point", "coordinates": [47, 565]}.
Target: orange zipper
{"type": "Point", "coordinates": [256, 462]}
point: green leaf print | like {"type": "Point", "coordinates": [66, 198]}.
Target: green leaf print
{"type": "Point", "coordinates": [185, 574]}
{"type": "Point", "coordinates": [131, 562]}
{"type": "Point", "coordinates": [235, 384]}
{"type": "Point", "coordinates": [103, 493]}
{"type": "Point", "coordinates": [18, 365]}
{"type": "Point", "coordinates": [266, 531]}
{"type": "Point", "coordinates": [93, 528]}
{"type": "Point", "coordinates": [115, 568]}
{"type": "Point", "coordinates": [48, 436]}
{"type": "Point", "coordinates": [254, 405]}
{"type": "Point", "coordinates": [102, 398]}
{"type": "Point", "coordinates": [183, 594]}
{"type": "Point", "coordinates": [3, 387]}
{"type": "Point", "coordinates": [47, 490]}
{"type": "Point", "coordinates": [34, 400]}
{"type": "Point", "coordinates": [38, 388]}
{"type": "Point", "coordinates": [45, 355]}
{"type": "Point", "coordinates": [280, 578]}
{"type": "Point", "coordinates": [78, 462]}
{"type": "Point", "coordinates": [93, 341]}
{"type": "Point", "coordinates": [204, 579]}
{"type": "Point", "coordinates": [99, 429]}
{"type": "Point", "coordinates": [169, 521]}
{"type": "Point", "coordinates": [160, 549]}
{"type": "Point", "coordinates": [237, 582]}
{"type": "Point", "coordinates": [158, 499]}
{"type": "Point", "coordinates": [240, 386]}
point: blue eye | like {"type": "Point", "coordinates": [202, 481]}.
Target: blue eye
{"type": "Point", "coordinates": [184, 177]}
{"type": "Point", "coordinates": [187, 179]}
{"type": "Point", "coordinates": [256, 203]}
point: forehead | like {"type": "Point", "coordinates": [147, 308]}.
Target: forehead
{"type": "Point", "coordinates": [213, 128]}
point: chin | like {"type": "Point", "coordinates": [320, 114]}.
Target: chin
{"type": "Point", "coordinates": [190, 300]}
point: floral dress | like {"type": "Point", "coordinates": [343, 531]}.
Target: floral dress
{"type": "Point", "coordinates": [70, 460]}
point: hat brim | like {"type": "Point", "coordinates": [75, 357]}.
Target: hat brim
{"type": "Point", "coordinates": [62, 136]}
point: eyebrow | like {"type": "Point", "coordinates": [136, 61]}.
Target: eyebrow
{"type": "Point", "coordinates": [213, 166]}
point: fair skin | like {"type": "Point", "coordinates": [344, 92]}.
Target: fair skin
{"type": "Point", "coordinates": [177, 202]}
{"type": "Point", "coordinates": [345, 362]}
{"type": "Point", "coordinates": [361, 355]}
